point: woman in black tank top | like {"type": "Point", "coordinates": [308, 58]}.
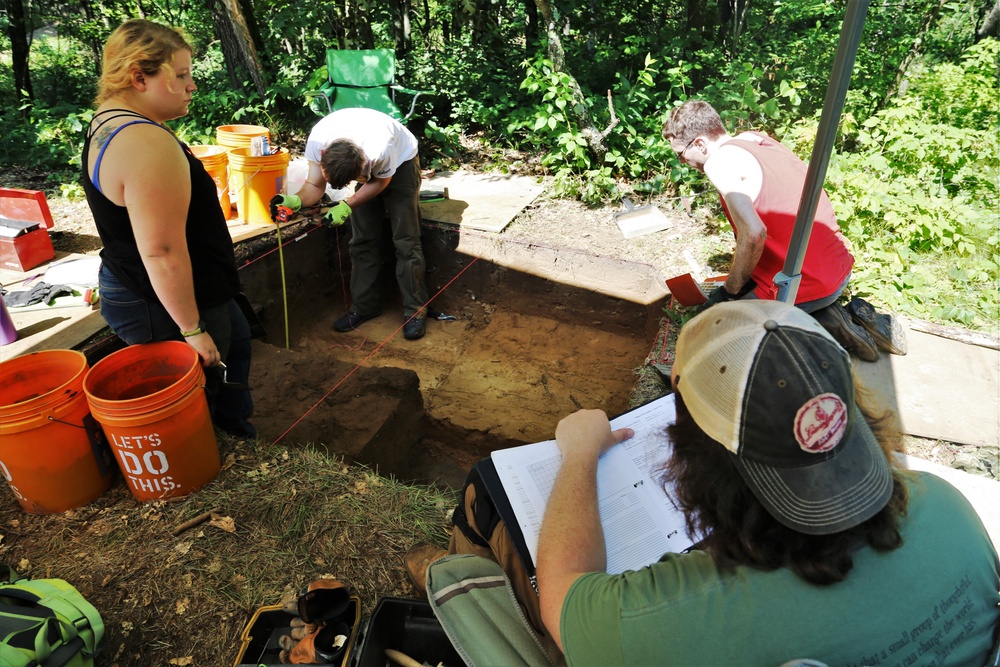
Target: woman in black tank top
{"type": "Point", "coordinates": [168, 268]}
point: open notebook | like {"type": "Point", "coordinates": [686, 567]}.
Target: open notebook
{"type": "Point", "coordinates": [640, 521]}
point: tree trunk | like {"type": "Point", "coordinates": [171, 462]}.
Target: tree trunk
{"type": "Point", "coordinates": [400, 14]}
{"type": "Point", "coordinates": [17, 31]}
{"type": "Point", "coordinates": [237, 44]}
{"type": "Point", "coordinates": [732, 19]}
{"type": "Point", "coordinates": [595, 138]}
{"type": "Point", "coordinates": [358, 28]}
{"type": "Point", "coordinates": [990, 23]}
{"type": "Point", "coordinates": [96, 45]}
{"type": "Point", "coordinates": [914, 51]}
{"type": "Point", "coordinates": [530, 25]}
{"type": "Point", "coordinates": [253, 29]}
{"type": "Point", "coordinates": [696, 17]}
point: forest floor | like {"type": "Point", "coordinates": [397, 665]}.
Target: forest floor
{"type": "Point", "coordinates": [286, 515]}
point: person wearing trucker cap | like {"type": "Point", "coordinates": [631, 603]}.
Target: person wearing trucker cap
{"type": "Point", "coordinates": [817, 546]}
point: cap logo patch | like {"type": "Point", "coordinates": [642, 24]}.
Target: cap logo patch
{"type": "Point", "coordinates": [821, 423]}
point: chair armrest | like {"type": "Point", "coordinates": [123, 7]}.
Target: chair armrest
{"type": "Point", "coordinates": [326, 94]}
{"type": "Point", "coordinates": [409, 91]}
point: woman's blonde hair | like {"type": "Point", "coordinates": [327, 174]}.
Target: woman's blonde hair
{"type": "Point", "coordinates": [140, 45]}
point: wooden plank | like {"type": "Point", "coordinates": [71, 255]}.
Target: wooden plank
{"type": "Point", "coordinates": [955, 333]}
{"type": "Point", "coordinates": [44, 328]}
{"type": "Point", "coordinates": [240, 231]}
{"type": "Point", "coordinates": [487, 202]}
{"type": "Point", "coordinates": [66, 327]}
{"type": "Point", "coordinates": [942, 389]}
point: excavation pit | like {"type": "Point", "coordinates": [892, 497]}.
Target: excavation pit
{"type": "Point", "coordinates": [528, 335]}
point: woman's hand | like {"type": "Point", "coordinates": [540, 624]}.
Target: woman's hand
{"type": "Point", "coordinates": [205, 347]}
{"type": "Point", "coordinates": [588, 433]}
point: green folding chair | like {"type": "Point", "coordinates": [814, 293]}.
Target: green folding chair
{"type": "Point", "coordinates": [364, 78]}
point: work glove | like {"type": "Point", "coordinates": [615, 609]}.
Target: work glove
{"type": "Point", "coordinates": [317, 633]}
{"type": "Point", "coordinates": [290, 202]}
{"type": "Point", "coordinates": [718, 295]}
{"type": "Point", "coordinates": [323, 646]}
{"type": "Point", "coordinates": [337, 215]}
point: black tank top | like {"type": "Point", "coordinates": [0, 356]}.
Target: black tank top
{"type": "Point", "coordinates": [210, 246]}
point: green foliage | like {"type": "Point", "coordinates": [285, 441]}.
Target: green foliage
{"type": "Point", "coordinates": [461, 94]}
{"type": "Point", "coordinates": [47, 138]}
{"type": "Point", "coordinates": [914, 179]}
{"type": "Point", "coordinates": [919, 197]}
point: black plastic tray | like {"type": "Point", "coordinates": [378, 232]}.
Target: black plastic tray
{"type": "Point", "coordinates": [408, 626]}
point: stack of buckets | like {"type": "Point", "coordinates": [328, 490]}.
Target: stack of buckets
{"type": "Point", "coordinates": [252, 180]}
{"type": "Point", "coordinates": [149, 401]}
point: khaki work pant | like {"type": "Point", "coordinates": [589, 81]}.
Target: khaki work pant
{"type": "Point", "coordinates": [400, 201]}
{"type": "Point", "coordinates": [479, 530]}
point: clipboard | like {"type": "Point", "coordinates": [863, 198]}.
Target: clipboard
{"type": "Point", "coordinates": [488, 473]}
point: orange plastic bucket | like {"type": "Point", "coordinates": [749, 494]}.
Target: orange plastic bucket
{"type": "Point", "coordinates": [255, 181]}
{"type": "Point", "coordinates": [216, 163]}
{"type": "Point", "coordinates": [52, 453]}
{"type": "Point", "coordinates": [150, 399]}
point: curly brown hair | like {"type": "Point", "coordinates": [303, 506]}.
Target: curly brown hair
{"type": "Point", "coordinates": [708, 488]}
{"type": "Point", "coordinates": [342, 162]}
{"type": "Point", "coordinates": [692, 119]}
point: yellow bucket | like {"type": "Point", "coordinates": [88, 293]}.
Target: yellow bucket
{"type": "Point", "coordinates": [239, 136]}
{"type": "Point", "coordinates": [216, 163]}
{"type": "Point", "coordinates": [255, 181]}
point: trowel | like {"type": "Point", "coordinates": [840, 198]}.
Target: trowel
{"type": "Point", "coordinates": [638, 221]}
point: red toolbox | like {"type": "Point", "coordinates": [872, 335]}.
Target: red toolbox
{"type": "Point", "coordinates": [24, 219]}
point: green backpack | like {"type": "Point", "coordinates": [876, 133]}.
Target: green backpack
{"type": "Point", "coordinates": [45, 623]}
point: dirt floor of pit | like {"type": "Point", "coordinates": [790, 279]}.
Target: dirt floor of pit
{"type": "Point", "coordinates": [493, 377]}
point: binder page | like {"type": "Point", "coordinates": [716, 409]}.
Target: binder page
{"type": "Point", "coordinates": [640, 521]}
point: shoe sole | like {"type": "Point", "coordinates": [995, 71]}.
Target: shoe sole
{"type": "Point", "coordinates": [857, 332]}
{"type": "Point", "coordinates": [865, 316]}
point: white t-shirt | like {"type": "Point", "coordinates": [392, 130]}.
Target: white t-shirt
{"type": "Point", "coordinates": [385, 141]}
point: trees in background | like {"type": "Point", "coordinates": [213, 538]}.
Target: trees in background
{"type": "Point", "coordinates": [585, 86]}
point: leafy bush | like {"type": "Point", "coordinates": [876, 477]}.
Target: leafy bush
{"type": "Point", "coordinates": [920, 194]}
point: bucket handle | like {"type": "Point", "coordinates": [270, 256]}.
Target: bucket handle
{"type": "Point", "coordinates": [98, 442]}
{"type": "Point", "coordinates": [247, 180]}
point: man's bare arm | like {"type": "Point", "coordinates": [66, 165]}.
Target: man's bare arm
{"type": "Point", "coordinates": [571, 541]}
{"type": "Point", "coordinates": [737, 176]}
{"type": "Point", "coordinates": [315, 185]}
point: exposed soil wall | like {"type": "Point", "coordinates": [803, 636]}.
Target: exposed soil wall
{"type": "Point", "coordinates": [515, 354]}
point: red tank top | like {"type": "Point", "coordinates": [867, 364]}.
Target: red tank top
{"type": "Point", "coordinates": [827, 261]}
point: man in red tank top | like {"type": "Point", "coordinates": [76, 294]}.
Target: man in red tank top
{"type": "Point", "coordinates": [760, 183]}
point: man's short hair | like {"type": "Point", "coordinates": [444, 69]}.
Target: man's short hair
{"type": "Point", "coordinates": [342, 162]}
{"type": "Point", "coordinates": [692, 119]}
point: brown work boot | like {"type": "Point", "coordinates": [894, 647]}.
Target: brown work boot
{"type": "Point", "coordinates": [885, 329]}
{"type": "Point", "coordinates": [853, 338]}
{"type": "Point", "coordinates": [417, 559]}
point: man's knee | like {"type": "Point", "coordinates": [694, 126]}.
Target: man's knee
{"type": "Point", "coordinates": [476, 516]}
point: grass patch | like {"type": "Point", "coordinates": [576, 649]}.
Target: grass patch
{"type": "Point", "coordinates": [288, 516]}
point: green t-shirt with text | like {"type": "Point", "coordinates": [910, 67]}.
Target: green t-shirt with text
{"type": "Point", "coordinates": [933, 601]}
